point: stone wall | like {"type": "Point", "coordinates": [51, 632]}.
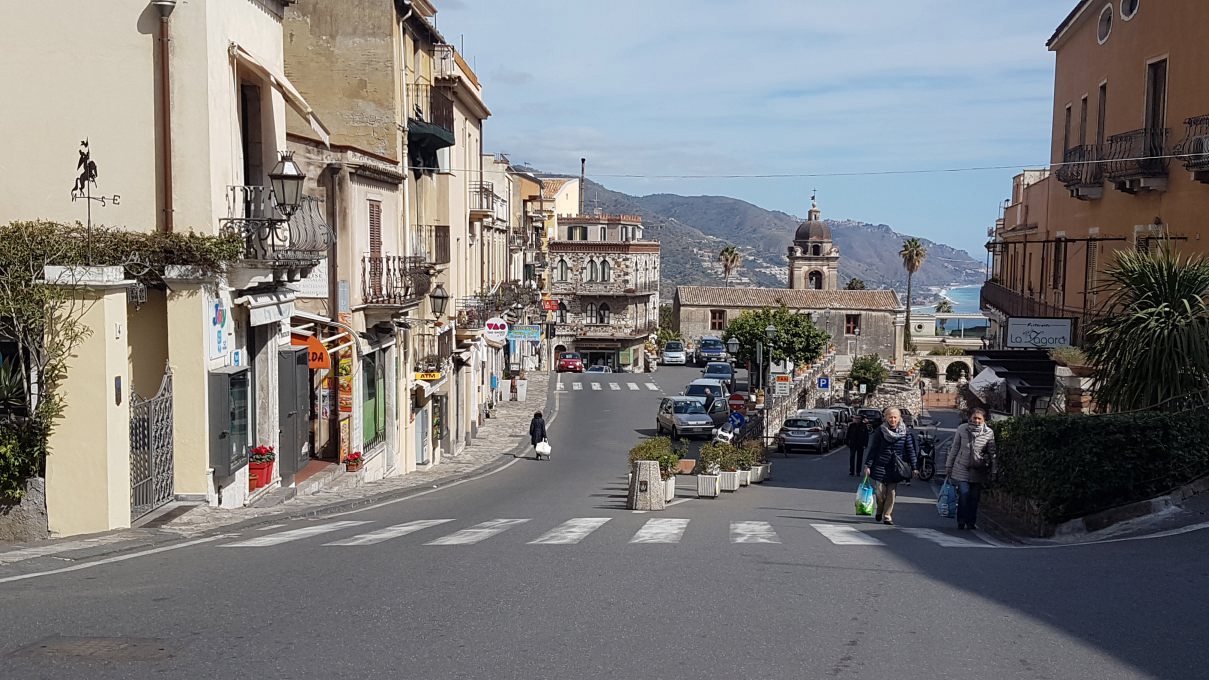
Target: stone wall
{"type": "Point", "coordinates": [26, 520]}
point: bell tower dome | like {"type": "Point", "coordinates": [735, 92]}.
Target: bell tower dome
{"type": "Point", "coordinates": [813, 258]}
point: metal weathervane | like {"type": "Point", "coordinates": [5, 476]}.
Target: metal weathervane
{"type": "Point", "coordinates": [83, 188]}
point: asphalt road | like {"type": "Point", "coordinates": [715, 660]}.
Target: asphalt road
{"type": "Point", "coordinates": [539, 571]}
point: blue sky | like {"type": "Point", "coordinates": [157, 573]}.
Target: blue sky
{"type": "Point", "coordinates": [883, 106]}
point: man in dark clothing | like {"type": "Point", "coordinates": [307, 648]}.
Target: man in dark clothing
{"type": "Point", "coordinates": [537, 431]}
{"type": "Point", "coordinates": [857, 440]}
{"type": "Point", "coordinates": [709, 400]}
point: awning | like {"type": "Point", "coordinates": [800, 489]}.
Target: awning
{"type": "Point", "coordinates": [266, 308]}
{"type": "Point", "coordinates": [291, 94]}
{"type": "Point", "coordinates": [346, 335]}
{"type": "Point", "coordinates": [429, 387]}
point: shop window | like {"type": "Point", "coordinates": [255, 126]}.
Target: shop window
{"type": "Point", "coordinates": [373, 398]}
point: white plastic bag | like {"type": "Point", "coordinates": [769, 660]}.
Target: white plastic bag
{"type": "Point", "coordinates": [543, 448]}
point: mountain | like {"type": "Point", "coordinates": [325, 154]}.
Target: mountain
{"type": "Point", "coordinates": [692, 229]}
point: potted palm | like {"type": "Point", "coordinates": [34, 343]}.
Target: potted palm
{"type": "Point", "coordinates": [709, 460]}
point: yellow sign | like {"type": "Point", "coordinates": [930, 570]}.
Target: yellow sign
{"type": "Point", "coordinates": [428, 376]}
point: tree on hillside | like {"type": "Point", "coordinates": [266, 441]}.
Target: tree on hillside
{"type": "Point", "coordinates": [913, 254]}
{"type": "Point", "coordinates": [1148, 344]}
{"type": "Point", "coordinates": [730, 258]}
{"type": "Point", "coordinates": [797, 339]}
{"type": "Point", "coordinates": [855, 284]}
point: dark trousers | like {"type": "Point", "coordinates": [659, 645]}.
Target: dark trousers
{"type": "Point", "coordinates": [855, 460]}
{"type": "Point", "coordinates": [968, 495]}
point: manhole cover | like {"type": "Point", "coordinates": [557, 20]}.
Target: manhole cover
{"type": "Point", "coordinates": [109, 649]}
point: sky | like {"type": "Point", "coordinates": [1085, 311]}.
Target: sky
{"type": "Point", "coordinates": [912, 114]}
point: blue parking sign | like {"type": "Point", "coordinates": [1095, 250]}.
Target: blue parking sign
{"type": "Point", "coordinates": [736, 420]}
{"type": "Point", "coordinates": [824, 383]}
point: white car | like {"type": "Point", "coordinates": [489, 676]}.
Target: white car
{"type": "Point", "coordinates": [673, 353]}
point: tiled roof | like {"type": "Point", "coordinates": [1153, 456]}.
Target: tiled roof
{"type": "Point", "coordinates": [754, 298]}
{"type": "Point", "coordinates": [551, 186]}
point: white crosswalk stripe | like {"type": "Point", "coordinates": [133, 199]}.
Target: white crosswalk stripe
{"type": "Point", "coordinates": [390, 532]}
{"type": "Point", "coordinates": [478, 532]}
{"type": "Point", "coordinates": [945, 540]}
{"type": "Point", "coordinates": [632, 386]}
{"type": "Point", "coordinates": [287, 536]}
{"type": "Point", "coordinates": [614, 386]}
{"type": "Point", "coordinates": [752, 532]}
{"type": "Point", "coordinates": [652, 387]}
{"type": "Point", "coordinates": [845, 535]}
{"type": "Point", "coordinates": [596, 387]}
{"type": "Point", "coordinates": [570, 532]}
{"type": "Point", "coordinates": [577, 386]}
{"type": "Point", "coordinates": [661, 531]}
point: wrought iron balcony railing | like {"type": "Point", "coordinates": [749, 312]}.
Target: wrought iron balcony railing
{"type": "Point", "coordinates": [301, 241]}
{"type": "Point", "coordinates": [1194, 149]}
{"type": "Point", "coordinates": [1081, 167]}
{"type": "Point", "coordinates": [394, 280]}
{"type": "Point", "coordinates": [431, 241]}
{"type": "Point", "coordinates": [1137, 154]}
{"type": "Point", "coordinates": [482, 197]}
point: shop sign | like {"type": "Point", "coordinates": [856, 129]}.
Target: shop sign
{"type": "Point", "coordinates": [1023, 332]}
{"type": "Point", "coordinates": [525, 333]}
{"type": "Point", "coordinates": [496, 330]}
{"type": "Point", "coordinates": [428, 376]}
{"type": "Point", "coordinates": [550, 305]}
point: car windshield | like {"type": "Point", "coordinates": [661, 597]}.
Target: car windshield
{"type": "Point", "coordinates": [711, 344]}
{"type": "Point", "coordinates": [718, 368]}
{"type": "Point", "coordinates": [801, 423]}
{"type": "Point", "coordinates": [673, 347]}
{"type": "Point", "coordinates": [569, 355]}
{"type": "Point", "coordinates": [699, 390]}
{"type": "Point", "coordinates": [689, 407]}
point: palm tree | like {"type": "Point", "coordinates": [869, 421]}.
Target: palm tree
{"type": "Point", "coordinates": [913, 254]}
{"type": "Point", "coordinates": [943, 307]}
{"type": "Point", "coordinates": [1148, 343]}
{"type": "Point", "coordinates": [730, 259]}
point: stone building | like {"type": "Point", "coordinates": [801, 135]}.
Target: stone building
{"type": "Point", "coordinates": [605, 279]}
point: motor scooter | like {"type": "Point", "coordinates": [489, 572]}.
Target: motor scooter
{"type": "Point", "coordinates": [927, 454]}
{"type": "Point", "coordinates": [724, 434]}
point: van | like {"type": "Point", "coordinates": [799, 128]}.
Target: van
{"type": "Point", "coordinates": [829, 420]}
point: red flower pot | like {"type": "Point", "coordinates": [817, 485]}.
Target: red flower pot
{"type": "Point", "coordinates": [263, 472]}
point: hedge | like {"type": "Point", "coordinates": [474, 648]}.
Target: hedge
{"type": "Point", "coordinates": [1072, 466]}
{"type": "Point", "coordinates": [22, 452]}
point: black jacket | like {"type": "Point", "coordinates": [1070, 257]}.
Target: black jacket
{"type": "Point", "coordinates": [881, 453]}
{"type": "Point", "coordinates": [858, 436]}
{"type": "Point", "coordinates": [537, 431]}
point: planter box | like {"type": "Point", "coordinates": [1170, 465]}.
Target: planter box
{"type": "Point", "coordinates": [729, 481]}
{"type": "Point", "coordinates": [669, 490]}
{"type": "Point", "coordinates": [708, 486]}
{"type": "Point", "coordinates": [764, 470]}
{"type": "Point", "coordinates": [744, 477]}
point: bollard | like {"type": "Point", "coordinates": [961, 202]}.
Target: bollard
{"type": "Point", "coordinates": [646, 487]}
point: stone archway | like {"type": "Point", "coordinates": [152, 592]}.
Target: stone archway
{"type": "Point", "coordinates": [949, 368]}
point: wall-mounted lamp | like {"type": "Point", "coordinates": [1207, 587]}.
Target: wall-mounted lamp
{"type": "Point", "coordinates": [286, 180]}
{"type": "Point", "coordinates": [438, 299]}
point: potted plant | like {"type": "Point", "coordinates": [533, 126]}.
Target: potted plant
{"type": "Point", "coordinates": [662, 451]}
{"type": "Point", "coordinates": [707, 468]}
{"type": "Point", "coordinates": [260, 462]}
{"type": "Point", "coordinates": [745, 461]}
{"type": "Point", "coordinates": [728, 462]}
{"type": "Point", "coordinates": [761, 468]}
{"type": "Point", "coordinates": [1072, 358]}
{"type": "Point", "coordinates": [354, 461]}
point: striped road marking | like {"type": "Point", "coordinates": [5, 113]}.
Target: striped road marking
{"type": "Point", "coordinates": [390, 532]}
{"type": "Point", "coordinates": [571, 531]}
{"type": "Point", "coordinates": [614, 386]}
{"type": "Point", "coordinates": [945, 540]}
{"type": "Point", "coordinates": [752, 532]}
{"type": "Point", "coordinates": [287, 536]}
{"type": "Point", "coordinates": [661, 531]}
{"type": "Point", "coordinates": [577, 386]}
{"type": "Point", "coordinates": [596, 387]}
{"type": "Point", "coordinates": [842, 535]}
{"type": "Point", "coordinates": [652, 387]}
{"type": "Point", "coordinates": [632, 386]}
{"type": "Point", "coordinates": [478, 532]}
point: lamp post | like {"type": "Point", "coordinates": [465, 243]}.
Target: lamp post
{"type": "Point", "coordinates": [770, 332]}
{"type": "Point", "coordinates": [732, 346]}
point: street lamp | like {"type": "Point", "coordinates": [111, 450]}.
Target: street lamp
{"type": "Point", "coordinates": [286, 180]}
{"type": "Point", "coordinates": [438, 299]}
{"type": "Point", "coordinates": [770, 332]}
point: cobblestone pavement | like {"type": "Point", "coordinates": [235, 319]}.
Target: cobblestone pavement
{"type": "Point", "coordinates": [498, 441]}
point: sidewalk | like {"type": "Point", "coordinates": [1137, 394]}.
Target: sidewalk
{"type": "Point", "coordinates": [499, 440]}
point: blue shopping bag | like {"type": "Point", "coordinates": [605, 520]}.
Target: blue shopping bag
{"type": "Point", "coordinates": [946, 503]}
{"type": "Point", "coordinates": [864, 498]}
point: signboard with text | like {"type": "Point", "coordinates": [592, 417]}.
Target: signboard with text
{"type": "Point", "coordinates": [550, 305]}
{"type": "Point", "coordinates": [784, 383]}
{"type": "Point", "coordinates": [1038, 333]}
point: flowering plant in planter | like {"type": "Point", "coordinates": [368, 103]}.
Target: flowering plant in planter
{"type": "Point", "coordinates": [262, 454]}
{"type": "Point", "coordinates": [353, 458]}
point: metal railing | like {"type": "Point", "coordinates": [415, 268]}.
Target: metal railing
{"type": "Point", "coordinates": [1081, 167]}
{"type": "Point", "coordinates": [394, 279]}
{"type": "Point", "coordinates": [1194, 149]}
{"type": "Point", "coordinates": [252, 214]}
{"type": "Point", "coordinates": [431, 104]}
{"type": "Point", "coordinates": [482, 197]}
{"type": "Point", "coordinates": [1137, 153]}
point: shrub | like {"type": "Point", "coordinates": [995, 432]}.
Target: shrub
{"type": "Point", "coordinates": [662, 451]}
{"type": "Point", "coordinates": [709, 458]}
{"type": "Point", "coordinates": [22, 452]}
{"type": "Point", "coordinates": [1069, 356]}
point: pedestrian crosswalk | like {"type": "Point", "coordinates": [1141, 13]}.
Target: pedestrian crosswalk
{"type": "Point", "coordinates": [579, 386]}
{"type": "Point", "coordinates": [661, 530]}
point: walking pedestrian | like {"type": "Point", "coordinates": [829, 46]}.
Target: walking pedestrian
{"type": "Point", "coordinates": [857, 439]}
{"type": "Point", "coordinates": [890, 440]}
{"type": "Point", "coordinates": [971, 463]}
{"type": "Point", "coordinates": [537, 431]}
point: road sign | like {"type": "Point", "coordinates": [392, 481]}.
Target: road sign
{"type": "Point", "coordinates": [783, 382]}
{"type": "Point", "coordinates": [737, 402]}
{"type": "Point", "coordinates": [736, 420]}
{"type": "Point", "coordinates": [824, 383]}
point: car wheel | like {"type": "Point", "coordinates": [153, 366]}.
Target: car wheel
{"type": "Point", "coordinates": [675, 434]}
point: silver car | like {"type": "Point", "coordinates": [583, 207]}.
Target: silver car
{"type": "Point", "coordinates": [802, 433]}
{"type": "Point", "coordinates": [683, 416]}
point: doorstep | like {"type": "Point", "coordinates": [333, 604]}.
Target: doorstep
{"type": "Point", "coordinates": [316, 476]}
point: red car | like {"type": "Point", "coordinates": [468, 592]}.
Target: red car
{"type": "Point", "coordinates": [570, 361]}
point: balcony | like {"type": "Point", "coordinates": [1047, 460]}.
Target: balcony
{"type": "Point", "coordinates": [431, 242]}
{"type": "Point", "coordinates": [1082, 172]}
{"type": "Point", "coordinates": [429, 124]}
{"type": "Point", "coordinates": [482, 200]}
{"type": "Point", "coordinates": [394, 280]}
{"type": "Point", "coordinates": [289, 248]}
{"type": "Point", "coordinates": [1194, 150]}
{"type": "Point", "coordinates": [1136, 160]}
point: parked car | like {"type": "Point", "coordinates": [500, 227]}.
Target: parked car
{"type": "Point", "coordinates": [711, 349]}
{"type": "Point", "coordinates": [908, 418]}
{"type": "Point", "coordinates": [720, 370]}
{"type": "Point", "coordinates": [697, 388]}
{"type": "Point", "coordinates": [598, 368]}
{"type": "Point", "coordinates": [873, 416]}
{"type": "Point", "coordinates": [571, 362]}
{"type": "Point", "coordinates": [683, 416]}
{"type": "Point", "coordinates": [719, 412]}
{"type": "Point", "coordinates": [843, 414]}
{"type": "Point", "coordinates": [835, 432]}
{"type": "Point", "coordinates": [673, 353]}
{"type": "Point", "coordinates": [802, 433]}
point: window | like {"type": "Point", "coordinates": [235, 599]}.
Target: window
{"type": "Point", "coordinates": [1105, 25]}
{"type": "Point", "coordinates": [577, 233]}
{"type": "Point", "coordinates": [375, 249]}
{"type": "Point", "coordinates": [1129, 8]}
{"type": "Point", "coordinates": [717, 319]}
{"type": "Point", "coordinates": [561, 316]}
{"type": "Point", "coordinates": [590, 312]}
{"type": "Point", "coordinates": [1156, 98]}
{"type": "Point", "coordinates": [1058, 277]}
{"type": "Point", "coordinates": [563, 270]}
{"type": "Point", "coordinates": [816, 250]}
{"type": "Point", "coordinates": [816, 281]}
{"type": "Point", "coordinates": [604, 234]}
{"type": "Point", "coordinates": [591, 271]}
{"type": "Point", "coordinates": [1100, 115]}
{"type": "Point", "coordinates": [1083, 121]}
{"type": "Point", "coordinates": [852, 324]}
{"type": "Point", "coordinates": [605, 271]}
{"type": "Point", "coordinates": [1066, 130]}
{"type": "Point", "coordinates": [373, 397]}
{"type": "Point", "coordinates": [603, 315]}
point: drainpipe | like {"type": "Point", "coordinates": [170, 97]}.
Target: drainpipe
{"type": "Point", "coordinates": [165, 8]}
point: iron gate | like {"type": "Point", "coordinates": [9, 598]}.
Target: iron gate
{"type": "Point", "coordinates": [151, 454]}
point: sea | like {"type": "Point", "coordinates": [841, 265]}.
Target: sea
{"type": "Point", "coordinates": [963, 298]}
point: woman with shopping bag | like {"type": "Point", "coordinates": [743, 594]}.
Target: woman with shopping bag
{"type": "Point", "coordinates": [537, 435]}
{"type": "Point", "coordinates": [891, 459]}
{"type": "Point", "coordinates": [970, 464]}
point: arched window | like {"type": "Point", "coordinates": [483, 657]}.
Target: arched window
{"type": "Point", "coordinates": [603, 316]}
{"type": "Point", "coordinates": [561, 317]}
{"type": "Point", "coordinates": [604, 234]}
{"type": "Point", "coordinates": [591, 270]}
{"type": "Point", "coordinates": [590, 312]}
{"type": "Point", "coordinates": [605, 270]}
{"type": "Point", "coordinates": [563, 270]}
{"type": "Point", "coordinates": [816, 281]}
{"type": "Point", "coordinates": [816, 250]}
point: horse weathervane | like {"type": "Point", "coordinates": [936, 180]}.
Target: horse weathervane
{"type": "Point", "coordinates": [83, 188]}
